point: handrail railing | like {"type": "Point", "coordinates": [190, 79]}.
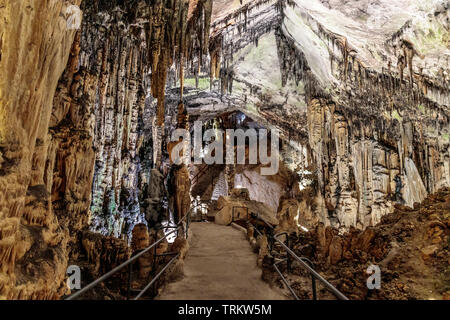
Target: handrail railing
{"type": "Point", "coordinates": [200, 174]}
{"type": "Point", "coordinates": [156, 277]}
{"type": "Point", "coordinates": [134, 258]}
{"type": "Point", "coordinates": [313, 272]}
{"type": "Point", "coordinates": [238, 207]}
{"type": "Point", "coordinates": [199, 206]}
{"type": "Point", "coordinates": [275, 265]}
{"type": "Point", "coordinates": [304, 262]}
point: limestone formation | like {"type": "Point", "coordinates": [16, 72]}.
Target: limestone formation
{"type": "Point", "coordinates": [72, 104]}
{"type": "Point", "coordinates": [408, 244]}
{"type": "Point", "coordinates": [104, 253]}
{"type": "Point", "coordinates": [182, 188]}
{"type": "Point", "coordinates": [91, 92]}
{"type": "Point", "coordinates": [238, 209]}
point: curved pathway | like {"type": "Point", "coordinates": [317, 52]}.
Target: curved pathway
{"type": "Point", "coordinates": [220, 265]}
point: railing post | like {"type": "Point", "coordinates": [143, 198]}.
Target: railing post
{"type": "Point", "coordinates": [313, 279]}
{"type": "Point", "coordinates": [271, 241]}
{"type": "Point", "coordinates": [288, 260]}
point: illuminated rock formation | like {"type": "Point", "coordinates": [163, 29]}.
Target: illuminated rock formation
{"type": "Point", "coordinates": [359, 91]}
{"type": "Point", "coordinates": [69, 96]}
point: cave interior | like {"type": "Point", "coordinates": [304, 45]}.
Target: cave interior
{"type": "Point", "coordinates": [205, 127]}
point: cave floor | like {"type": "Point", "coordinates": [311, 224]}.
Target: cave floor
{"type": "Point", "coordinates": [220, 265]}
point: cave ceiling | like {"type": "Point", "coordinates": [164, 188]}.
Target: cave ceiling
{"type": "Point", "coordinates": [400, 39]}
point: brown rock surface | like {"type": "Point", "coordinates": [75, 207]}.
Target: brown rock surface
{"type": "Point", "coordinates": [413, 265]}
{"type": "Point", "coordinates": [242, 210]}
{"type": "Point", "coordinates": [360, 97]}
{"type": "Point", "coordinates": [71, 100]}
{"type": "Point", "coordinates": [29, 79]}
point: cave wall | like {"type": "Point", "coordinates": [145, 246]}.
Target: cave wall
{"type": "Point", "coordinates": [113, 67]}
{"type": "Point", "coordinates": [77, 122]}
{"type": "Point", "coordinates": [364, 93]}
{"type": "Point", "coordinates": [33, 56]}
{"type": "Point", "coordinates": [377, 127]}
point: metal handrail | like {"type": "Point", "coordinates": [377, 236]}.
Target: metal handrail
{"type": "Point", "coordinates": [313, 272]}
{"type": "Point", "coordinates": [284, 279]}
{"type": "Point", "coordinates": [134, 258]}
{"type": "Point", "coordinates": [306, 263]}
{"type": "Point", "coordinates": [200, 174]}
{"type": "Point", "coordinates": [156, 277]}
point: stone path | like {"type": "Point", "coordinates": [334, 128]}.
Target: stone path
{"type": "Point", "coordinates": [220, 265]}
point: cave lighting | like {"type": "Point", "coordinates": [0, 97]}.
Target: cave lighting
{"type": "Point", "coordinates": [298, 224]}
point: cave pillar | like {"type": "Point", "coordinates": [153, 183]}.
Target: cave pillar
{"type": "Point", "coordinates": [229, 176]}
{"type": "Point", "coordinates": [158, 132]}
{"type": "Point", "coordinates": [182, 186]}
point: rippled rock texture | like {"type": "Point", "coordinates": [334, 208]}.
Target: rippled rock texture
{"type": "Point", "coordinates": [35, 171]}
{"type": "Point", "coordinates": [409, 245]}
{"type": "Point", "coordinates": [75, 126]}
{"type": "Point", "coordinates": [359, 92]}
{"type": "Point", "coordinates": [361, 95]}
{"type": "Point", "coordinates": [378, 137]}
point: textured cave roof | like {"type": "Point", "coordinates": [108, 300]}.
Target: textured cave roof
{"type": "Point", "coordinates": [223, 7]}
{"type": "Point", "coordinates": [369, 27]}
{"type": "Point", "coordinates": [372, 30]}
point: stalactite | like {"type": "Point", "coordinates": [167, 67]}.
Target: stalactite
{"type": "Point", "coordinates": [387, 106]}
{"type": "Point", "coordinates": [171, 34]}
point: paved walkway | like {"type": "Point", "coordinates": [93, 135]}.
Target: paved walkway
{"type": "Point", "coordinates": [220, 265]}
